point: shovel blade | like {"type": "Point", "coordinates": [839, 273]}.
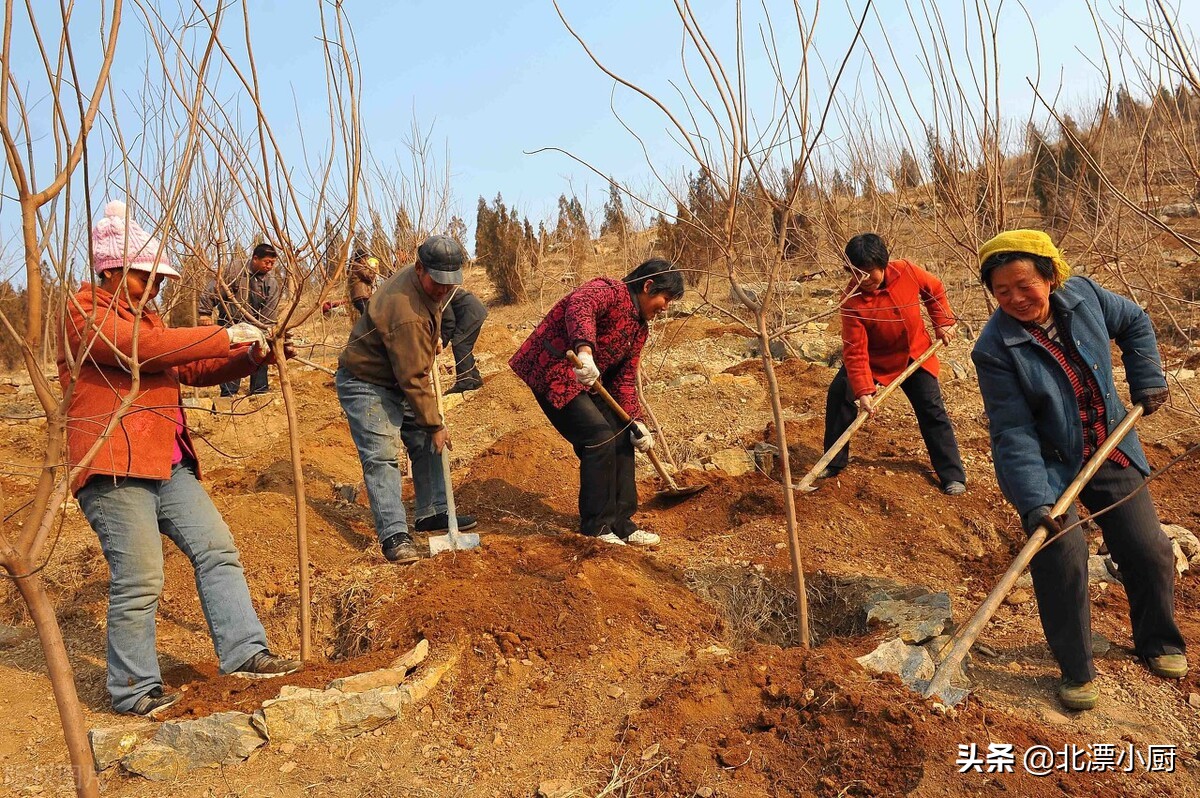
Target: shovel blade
{"type": "Point", "coordinates": [453, 542]}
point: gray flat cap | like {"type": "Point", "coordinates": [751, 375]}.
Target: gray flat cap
{"type": "Point", "coordinates": [443, 258]}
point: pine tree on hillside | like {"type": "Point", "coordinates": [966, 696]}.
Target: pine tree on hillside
{"type": "Point", "coordinates": [615, 221]}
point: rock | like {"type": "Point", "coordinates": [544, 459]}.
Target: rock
{"type": "Point", "coordinates": [816, 351]}
{"type": "Point", "coordinates": [1184, 374]}
{"type": "Point", "coordinates": [1194, 700]}
{"type": "Point", "coordinates": [895, 656]}
{"type": "Point", "coordinates": [686, 380]}
{"type": "Point", "coordinates": [554, 788]}
{"type": "Point", "coordinates": [778, 349]}
{"type": "Point", "coordinates": [418, 688]}
{"type": "Point", "coordinates": [960, 371]}
{"type": "Point", "coordinates": [384, 677]}
{"type": "Point", "coordinates": [218, 739]}
{"type": "Point", "coordinates": [734, 462]}
{"type": "Point", "coordinates": [704, 792]}
{"type": "Point", "coordinates": [614, 691]}
{"type": "Point", "coordinates": [110, 746]}
{"type": "Point", "coordinates": [199, 403]}
{"type": "Point", "coordinates": [156, 762]}
{"type": "Point", "coordinates": [1179, 210]}
{"type": "Point", "coordinates": [1018, 597]}
{"type": "Point", "coordinates": [413, 657]}
{"type": "Point", "coordinates": [1187, 542]}
{"type": "Point", "coordinates": [747, 381]}
{"type": "Point", "coordinates": [764, 456]}
{"type": "Point", "coordinates": [917, 619]}
{"type": "Point", "coordinates": [452, 400]}
{"type": "Point", "coordinates": [1098, 572]}
{"type": "Point", "coordinates": [713, 651]}
{"type": "Point", "coordinates": [346, 491]}
{"type": "Point", "coordinates": [302, 714]}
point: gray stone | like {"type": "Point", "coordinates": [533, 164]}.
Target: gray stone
{"type": "Point", "coordinates": [1188, 545]}
{"type": "Point", "coordinates": [960, 371]}
{"type": "Point", "coordinates": [111, 745]}
{"type": "Point", "coordinates": [896, 656]}
{"type": "Point", "coordinates": [816, 351]}
{"type": "Point", "coordinates": [304, 714]}
{"type": "Point", "coordinates": [917, 619]}
{"type": "Point", "coordinates": [346, 491]}
{"type": "Point", "coordinates": [418, 688]}
{"type": "Point", "coordinates": [1179, 210]}
{"type": "Point", "coordinates": [384, 677]}
{"type": "Point", "coordinates": [1098, 572]}
{"type": "Point", "coordinates": [218, 739]}
{"type": "Point", "coordinates": [156, 762]}
{"type": "Point", "coordinates": [734, 462]}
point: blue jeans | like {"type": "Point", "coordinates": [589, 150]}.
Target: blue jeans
{"type": "Point", "coordinates": [258, 383]}
{"type": "Point", "coordinates": [129, 515]}
{"type": "Point", "coordinates": [380, 419]}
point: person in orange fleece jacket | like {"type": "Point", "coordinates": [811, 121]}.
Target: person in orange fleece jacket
{"type": "Point", "coordinates": [882, 332]}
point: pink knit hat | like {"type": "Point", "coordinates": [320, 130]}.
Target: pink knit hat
{"type": "Point", "coordinates": [118, 242]}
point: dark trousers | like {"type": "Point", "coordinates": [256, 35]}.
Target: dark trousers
{"type": "Point", "coordinates": [258, 383]}
{"type": "Point", "coordinates": [462, 319]}
{"type": "Point", "coordinates": [925, 396]}
{"type": "Point", "coordinates": [1143, 555]}
{"type": "Point", "coordinates": [607, 489]}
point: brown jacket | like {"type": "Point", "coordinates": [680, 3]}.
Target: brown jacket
{"type": "Point", "coordinates": [143, 442]}
{"type": "Point", "coordinates": [392, 344]}
{"type": "Point", "coordinates": [362, 279]}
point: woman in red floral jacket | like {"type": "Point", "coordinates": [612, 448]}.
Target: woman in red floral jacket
{"type": "Point", "coordinates": [605, 321]}
{"type": "Point", "coordinates": [882, 332]}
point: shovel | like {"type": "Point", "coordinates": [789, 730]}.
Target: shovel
{"type": "Point", "coordinates": [453, 540]}
{"type": "Point", "coordinates": [805, 485]}
{"type": "Point", "coordinates": [672, 490]}
{"type": "Point", "coordinates": [965, 638]}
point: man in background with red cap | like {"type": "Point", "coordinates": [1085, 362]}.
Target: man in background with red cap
{"type": "Point", "coordinates": [143, 480]}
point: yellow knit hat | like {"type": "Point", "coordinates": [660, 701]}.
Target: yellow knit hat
{"type": "Point", "coordinates": [1034, 242]}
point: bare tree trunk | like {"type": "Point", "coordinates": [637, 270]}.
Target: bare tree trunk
{"type": "Point", "coordinates": [289, 404]}
{"type": "Point", "coordinates": [62, 680]}
{"type": "Point", "coordinates": [789, 498]}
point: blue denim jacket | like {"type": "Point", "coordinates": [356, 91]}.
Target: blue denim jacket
{"type": "Point", "coordinates": [1033, 416]}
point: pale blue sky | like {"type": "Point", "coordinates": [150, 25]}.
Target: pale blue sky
{"type": "Point", "coordinates": [498, 79]}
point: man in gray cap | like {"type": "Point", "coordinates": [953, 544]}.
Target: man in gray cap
{"type": "Point", "coordinates": [384, 383]}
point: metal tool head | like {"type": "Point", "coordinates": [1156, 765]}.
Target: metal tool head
{"type": "Point", "coordinates": [454, 541]}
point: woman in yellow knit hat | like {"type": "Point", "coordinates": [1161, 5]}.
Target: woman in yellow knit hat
{"type": "Point", "coordinates": [1045, 369]}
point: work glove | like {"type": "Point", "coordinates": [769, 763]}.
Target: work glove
{"type": "Point", "coordinates": [643, 441]}
{"type": "Point", "coordinates": [1154, 399]}
{"type": "Point", "coordinates": [246, 333]}
{"type": "Point", "coordinates": [1040, 516]}
{"type": "Point", "coordinates": [587, 373]}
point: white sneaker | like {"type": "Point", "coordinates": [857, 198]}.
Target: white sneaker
{"type": "Point", "coordinates": [641, 537]}
{"type": "Point", "coordinates": [609, 537]}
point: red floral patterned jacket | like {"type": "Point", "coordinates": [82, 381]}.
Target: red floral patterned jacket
{"type": "Point", "coordinates": [601, 313]}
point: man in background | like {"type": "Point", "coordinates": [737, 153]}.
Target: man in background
{"type": "Point", "coordinates": [249, 292]}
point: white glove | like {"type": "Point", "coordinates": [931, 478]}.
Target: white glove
{"type": "Point", "coordinates": [587, 373]}
{"type": "Point", "coordinates": [643, 441]}
{"type": "Point", "coordinates": [246, 333]}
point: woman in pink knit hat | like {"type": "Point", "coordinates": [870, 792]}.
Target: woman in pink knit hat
{"type": "Point", "coordinates": [143, 481]}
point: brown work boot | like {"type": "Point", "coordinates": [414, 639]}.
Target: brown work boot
{"type": "Point", "coordinates": [1078, 695]}
{"type": "Point", "coordinates": [1168, 666]}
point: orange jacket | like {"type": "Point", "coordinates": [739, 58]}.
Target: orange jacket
{"type": "Point", "coordinates": [143, 442]}
{"type": "Point", "coordinates": [882, 332]}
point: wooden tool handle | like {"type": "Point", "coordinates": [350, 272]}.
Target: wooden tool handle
{"type": "Point", "coordinates": [620, 411]}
